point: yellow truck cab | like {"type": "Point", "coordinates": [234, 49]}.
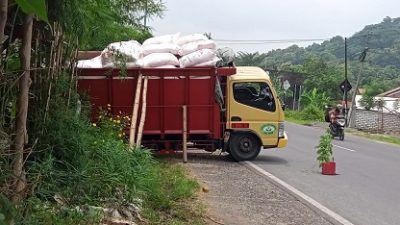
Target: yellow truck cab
{"type": "Point", "coordinates": [255, 117]}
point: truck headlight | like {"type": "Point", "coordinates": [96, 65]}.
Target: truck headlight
{"type": "Point", "coordinates": [281, 131]}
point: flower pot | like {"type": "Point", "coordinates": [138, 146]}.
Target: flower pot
{"type": "Point", "coordinates": [329, 168]}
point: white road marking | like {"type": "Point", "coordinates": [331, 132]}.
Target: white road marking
{"type": "Point", "coordinates": [348, 149]}
{"type": "Point", "coordinates": [300, 194]}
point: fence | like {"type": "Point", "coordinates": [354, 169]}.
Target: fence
{"type": "Point", "coordinates": [377, 121]}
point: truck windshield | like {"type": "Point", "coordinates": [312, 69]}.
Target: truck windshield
{"type": "Point", "coordinates": [254, 94]}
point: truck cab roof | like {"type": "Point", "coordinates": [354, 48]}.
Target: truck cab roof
{"type": "Point", "coordinates": [249, 73]}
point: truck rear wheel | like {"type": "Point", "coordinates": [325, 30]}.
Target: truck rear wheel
{"type": "Point", "coordinates": [244, 146]}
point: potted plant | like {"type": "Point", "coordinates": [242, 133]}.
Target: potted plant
{"type": "Point", "coordinates": [325, 156]}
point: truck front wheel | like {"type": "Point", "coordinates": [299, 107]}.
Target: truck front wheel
{"type": "Point", "coordinates": [244, 146]}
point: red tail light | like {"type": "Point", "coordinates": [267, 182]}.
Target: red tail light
{"type": "Point", "coordinates": [240, 125]}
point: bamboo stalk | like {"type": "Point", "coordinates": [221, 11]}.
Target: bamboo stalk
{"type": "Point", "coordinates": [132, 132]}
{"type": "Point", "coordinates": [73, 70]}
{"type": "Point", "coordinates": [184, 133]}
{"type": "Point", "coordinates": [50, 78]}
{"type": "Point", "coordinates": [143, 114]}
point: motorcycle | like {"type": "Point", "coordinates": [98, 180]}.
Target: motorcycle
{"type": "Point", "coordinates": [337, 127]}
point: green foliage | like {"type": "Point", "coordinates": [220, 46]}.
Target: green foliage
{"type": "Point", "coordinates": [324, 149]}
{"type": "Point", "coordinates": [36, 7]}
{"type": "Point", "coordinates": [371, 90]}
{"type": "Point", "coordinates": [90, 164]}
{"type": "Point", "coordinates": [40, 212]}
{"type": "Point", "coordinates": [312, 112]}
{"type": "Point", "coordinates": [323, 63]}
{"type": "Point", "coordinates": [367, 102]}
{"type": "Point", "coordinates": [7, 210]}
{"type": "Point", "coordinates": [250, 59]}
{"type": "Point", "coordinates": [98, 23]}
{"type": "Point", "coordinates": [315, 98]}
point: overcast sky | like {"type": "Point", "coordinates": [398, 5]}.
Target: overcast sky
{"type": "Point", "coordinates": [271, 20]}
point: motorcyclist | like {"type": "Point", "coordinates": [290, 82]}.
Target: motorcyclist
{"type": "Point", "coordinates": [334, 113]}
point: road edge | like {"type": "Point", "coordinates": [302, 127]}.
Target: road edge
{"type": "Point", "coordinates": [317, 207]}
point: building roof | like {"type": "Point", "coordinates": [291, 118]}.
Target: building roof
{"type": "Point", "coordinates": [394, 93]}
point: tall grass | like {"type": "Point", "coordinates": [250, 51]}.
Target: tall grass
{"type": "Point", "coordinates": [90, 164]}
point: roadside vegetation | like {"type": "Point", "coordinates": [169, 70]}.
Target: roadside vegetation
{"type": "Point", "coordinates": [56, 166]}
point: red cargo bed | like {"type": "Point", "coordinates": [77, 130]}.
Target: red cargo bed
{"type": "Point", "coordinates": [168, 90]}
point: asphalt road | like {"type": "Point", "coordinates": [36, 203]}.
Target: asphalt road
{"type": "Point", "coordinates": [366, 190]}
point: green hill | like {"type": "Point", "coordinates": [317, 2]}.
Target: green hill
{"type": "Point", "coordinates": [382, 63]}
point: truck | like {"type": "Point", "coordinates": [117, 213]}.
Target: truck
{"type": "Point", "coordinates": [232, 109]}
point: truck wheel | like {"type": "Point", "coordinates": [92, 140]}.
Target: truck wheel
{"type": "Point", "coordinates": [244, 146]}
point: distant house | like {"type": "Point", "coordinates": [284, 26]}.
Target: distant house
{"type": "Point", "coordinates": [390, 98]}
{"type": "Point", "coordinates": [394, 93]}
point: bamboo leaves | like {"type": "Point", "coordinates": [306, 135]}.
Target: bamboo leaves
{"type": "Point", "coordinates": [36, 7]}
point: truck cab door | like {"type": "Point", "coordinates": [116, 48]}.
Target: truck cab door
{"type": "Point", "coordinates": [253, 106]}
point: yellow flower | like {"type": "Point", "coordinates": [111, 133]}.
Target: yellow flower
{"type": "Point", "coordinates": [118, 121]}
{"type": "Point", "coordinates": [119, 135]}
{"type": "Point", "coordinates": [94, 124]}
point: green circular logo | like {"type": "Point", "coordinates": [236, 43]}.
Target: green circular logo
{"type": "Point", "coordinates": [268, 128]}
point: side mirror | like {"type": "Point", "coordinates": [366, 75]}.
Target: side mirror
{"type": "Point", "coordinates": [283, 106]}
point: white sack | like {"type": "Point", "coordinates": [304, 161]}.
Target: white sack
{"type": "Point", "coordinates": [159, 59]}
{"type": "Point", "coordinates": [167, 67]}
{"type": "Point", "coordinates": [196, 45]}
{"type": "Point", "coordinates": [90, 63]}
{"type": "Point", "coordinates": [160, 48]}
{"type": "Point", "coordinates": [191, 38]}
{"type": "Point", "coordinates": [210, 63]}
{"type": "Point", "coordinates": [169, 38]}
{"type": "Point", "coordinates": [197, 57]}
{"type": "Point", "coordinates": [131, 50]}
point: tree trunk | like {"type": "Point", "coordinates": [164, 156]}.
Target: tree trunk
{"type": "Point", "coordinates": [3, 20]}
{"type": "Point", "coordinates": [22, 111]}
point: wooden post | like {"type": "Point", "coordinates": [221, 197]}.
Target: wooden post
{"type": "Point", "coordinates": [143, 114]}
{"type": "Point", "coordinates": [184, 133]}
{"type": "Point", "coordinates": [132, 132]}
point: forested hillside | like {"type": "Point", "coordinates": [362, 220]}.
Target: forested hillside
{"type": "Point", "coordinates": [381, 66]}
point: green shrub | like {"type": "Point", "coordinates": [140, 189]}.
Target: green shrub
{"type": "Point", "coordinates": [324, 149]}
{"type": "Point", "coordinates": [312, 112]}
{"type": "Point", "coordinates": [90, 164]}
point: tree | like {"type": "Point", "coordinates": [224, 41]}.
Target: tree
{"type": "Point", "coordinates": [250, 59]}
{"type": "Point", "coordinates": [3, 20]}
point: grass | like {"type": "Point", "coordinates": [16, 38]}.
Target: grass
{"type": "Point", "coordinates": [377, 137]}
{"type": "Point", "coordinates": [91, 164]}
{"type": "Point", "coordinates": [296, 117]}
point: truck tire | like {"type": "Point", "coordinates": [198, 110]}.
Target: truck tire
{"type": "Point", "coordinates": [244, 146]}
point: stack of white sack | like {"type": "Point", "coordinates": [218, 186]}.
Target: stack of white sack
{"type": "Point", "coordinates": [196, 50]}
{"type": "Point", "coordinates": [161, 51]}
{"type": "Point", "coordinates": [122, 54]}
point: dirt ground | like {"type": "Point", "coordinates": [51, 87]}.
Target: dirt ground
{"type": "Point", "coordinates": [236, 195]}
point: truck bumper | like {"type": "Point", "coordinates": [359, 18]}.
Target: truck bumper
{"type": "Point", "coordinates": [283, 141]}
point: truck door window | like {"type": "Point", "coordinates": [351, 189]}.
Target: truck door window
{"type": "Point", "coordinates": [254, 94]}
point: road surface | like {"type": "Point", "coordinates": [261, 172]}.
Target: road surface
{"type": "Point", "coordinates": [366, 190]}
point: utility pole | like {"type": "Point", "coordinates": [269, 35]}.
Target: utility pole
{"type": "Point", "coordinates": [361, 58]}
{"type": "Point", "coordinates": [345, 78]}
{"type": "Point", "coordinates": [145, 14]}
